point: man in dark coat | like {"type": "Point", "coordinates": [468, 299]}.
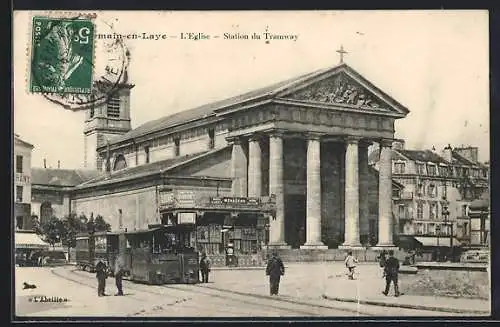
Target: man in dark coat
{"type": "Point", "coordinates": [204, 268]}
{"type": "Point", "coordinates": [101, 275]}
{"type": "Point", "coordinates": [391, 271]}
{"type": "Point", "coordinates": [119, 271]}
{"type": "Point", "coordinates": [275, 270]}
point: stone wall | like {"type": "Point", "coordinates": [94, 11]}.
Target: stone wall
{"type": "Point", "coordinates": [138, 208]}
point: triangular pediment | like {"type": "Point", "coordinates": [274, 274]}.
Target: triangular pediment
{"type": "Point", "coordinates": [343, 87]}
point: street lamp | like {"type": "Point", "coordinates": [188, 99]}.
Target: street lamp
{"type": "Point", "coordinates": [266, 227]}
{"type": "Point", "coordinates": [446, 213]}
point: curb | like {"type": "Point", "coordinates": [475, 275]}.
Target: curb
{"type": "Point", "coordinates": [406, 306]}
{"type": "Point", "coordinates": [237, 268]}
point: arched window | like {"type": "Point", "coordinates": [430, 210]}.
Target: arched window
{"type": "Point", "coordinates": [46, 212]}
{"type": "Point", "coordinates": [120, 162]}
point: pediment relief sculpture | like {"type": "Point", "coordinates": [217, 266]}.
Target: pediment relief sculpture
{"type": "Point", "coordinates": [338, 89]}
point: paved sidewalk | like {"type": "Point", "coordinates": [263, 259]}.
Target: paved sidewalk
{"type": "Point", "coordinates": [368, 286]}
{"type": "Point", "coordinates": [326, 280]}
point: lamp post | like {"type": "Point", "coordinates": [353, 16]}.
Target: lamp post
{"type": "Point", "coordinates": [446, 213]}
{"type": "Point", "coordinates": [266, 227]}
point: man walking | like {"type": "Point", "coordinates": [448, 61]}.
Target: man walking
{"type": "Point", "coordinates": [101, 278]}
{"type": "Point", "coordinates": [119, 271]}
{"type": "Point", "coordinates": [204, 268]}
{"type": "Point", "coordinates": [391, 271]}
{"type": "Point", "coordinates": [275, 269]}
{"type": "Point", "coordinates": [350, 263]}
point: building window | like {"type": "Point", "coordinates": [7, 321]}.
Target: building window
{"type": "Point", "coordinates": [399, 168]}
{"type": "Point", "coordinates": [19, 194]}
{"type": "Point", "coordinates": [19, 222]}
{"type": "Point", "coordinates": [19, 164]}
{"type": "Point", "coordinates": [451, 172]}
{"type": "Point", "coordinates": [432, 210]}
{"type": "Point", "coordinates": [113, 107]}
{"type": "Point", "coordinates": [443, 171]}
{"type": "Point", "coordinates": [420, 189]}
{"type": "Point", "coordinates": [432, 190]}
{"type": "Point", "coordinates": [420, 210]}
{"type": "Point", "coordinates": [92, 112]}
{"type": "Point", "coordinates": [431, 170]}
{"type": "Point", "coordinates": [402, 211]}
{"type": "Point", "coordinates": [464, 210]}
{"type": "Point", "coordinates": [146, 151]}
{"type": "Point", "coordinates": [177, 143]}
{"type": "Point", "coordinates": [395, 193]}
{"type": "Point", "coordinates": [485, 173]}
{"type": "Point", "coordinates": [211, 135]}
{"type": "Point", "coordinates": [466, 229]}
{"type": "Point", "coordinates": [445, 190]}
{"type": "Point", "coordinates": [420, 169]}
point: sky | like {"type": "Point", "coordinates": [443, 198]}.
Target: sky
{"type": "Point", "coordinates": [433, 62]}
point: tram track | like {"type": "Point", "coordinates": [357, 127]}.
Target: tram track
{"type": "Point", "coordinates": [260, 302]}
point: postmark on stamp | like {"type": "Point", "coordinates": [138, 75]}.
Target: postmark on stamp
{"type": "Point", "coordinates": [62, 55]}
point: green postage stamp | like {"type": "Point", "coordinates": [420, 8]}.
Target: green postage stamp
{"type": "Point", "coordinates": [62, 55]}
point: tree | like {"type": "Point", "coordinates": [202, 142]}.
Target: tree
{"type": "Point", "coordinates": [50, 231]}
{"type": "Point", "coordinates": [101, 225]}
{"type": "Point", "coordinates": [71, 226]}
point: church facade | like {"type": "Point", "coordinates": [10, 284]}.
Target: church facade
{"type": "Point", "coordinates": [302, 143]}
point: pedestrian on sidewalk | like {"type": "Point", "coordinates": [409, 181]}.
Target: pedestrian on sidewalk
{"type": "Point", "coordinates": [119, 271]}
{"type": "Point", "coordinates": [391, 274]}
{"type": "Point", "coordinates": [350, 263]}
{"type": "Point", "coordinates": [204, 268]}
{"type": "Point", "coordinates": [101, 275]}
{"type": "Point", "coordinates": [382, 260]}
{"type": "Point", "coordinates": [275, 269]}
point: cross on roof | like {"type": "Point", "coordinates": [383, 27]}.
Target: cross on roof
{"type": "Point", "coordinates": [341, 51]}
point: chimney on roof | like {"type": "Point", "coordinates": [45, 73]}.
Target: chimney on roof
{"type": "Point", "coordinates": [447, 153]}
{"type": "Point", "coordinates": [44, 163]}
{"type": "Point", "coordinates": [58, 164]}
{"type": "Point", "coordinates": [398, 144]}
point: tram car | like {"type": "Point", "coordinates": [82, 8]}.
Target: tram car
{"type": "Point", "coordinates": [159, 255]}
{"type": "Point", "coordinates": [92, 248]}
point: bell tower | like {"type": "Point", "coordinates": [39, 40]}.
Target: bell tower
{"type": "Point", "coordinates": [105, 121]}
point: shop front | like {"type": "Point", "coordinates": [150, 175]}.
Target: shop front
{"type": "Point", "coordinates": [230, 230]}
{"type": "Point", "coordinates": [28, 248]}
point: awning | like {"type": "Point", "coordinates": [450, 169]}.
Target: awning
{"type": "Point", "coordinates": [433, 241]}
{"type": "Point", "coordinates": [408, 241]}
{"type": "Point", "coordinates": [29, 241]}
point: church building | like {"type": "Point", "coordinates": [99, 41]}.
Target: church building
{"type": "Point", "coordinates": [285, 165]}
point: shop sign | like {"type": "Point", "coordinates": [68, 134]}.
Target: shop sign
{"type": "Point", "coordinates": [234, 201]}
{"type": "Point", "coordinates": [185, 198]}
{"type": "Point", "coordinates": [186, 217]}
{"type": "Point", "coordinates": [22, 179]}
{"type": "Point", "coordinates": [166, 197]}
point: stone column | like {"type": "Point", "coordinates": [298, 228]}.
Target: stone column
{"type": "Point", "coordinates": [351, 194]}
{"type": "Point", "coordinates": [254, 167]}
{"type": "Point", "coordinates": [385, 221]}
{"type": "Point", "coordinates": [276, 188]}
{"type": "Point", "coordinates": [238, 169]}
{"type": "Point", "coordinates": [313, 200]}
{"type": "Point", "coordinates": [363, 188]}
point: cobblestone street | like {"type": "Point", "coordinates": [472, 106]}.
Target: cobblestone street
{"type": "Point", "coordinates": [230, 293]}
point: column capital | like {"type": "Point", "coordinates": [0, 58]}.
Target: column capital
{"type": "Point", "coordinates": [234, 139]}
{"type": "Point", "coordinates": [386, 143]}
{"type": "Point", "coordinates": [276, 133]}
{"type": "Point", "coordinates": [351, 139]}
{"type": "Point", "coordinates": [313, 136]}
{"type": "Point", "coordinates": [255, 138]}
